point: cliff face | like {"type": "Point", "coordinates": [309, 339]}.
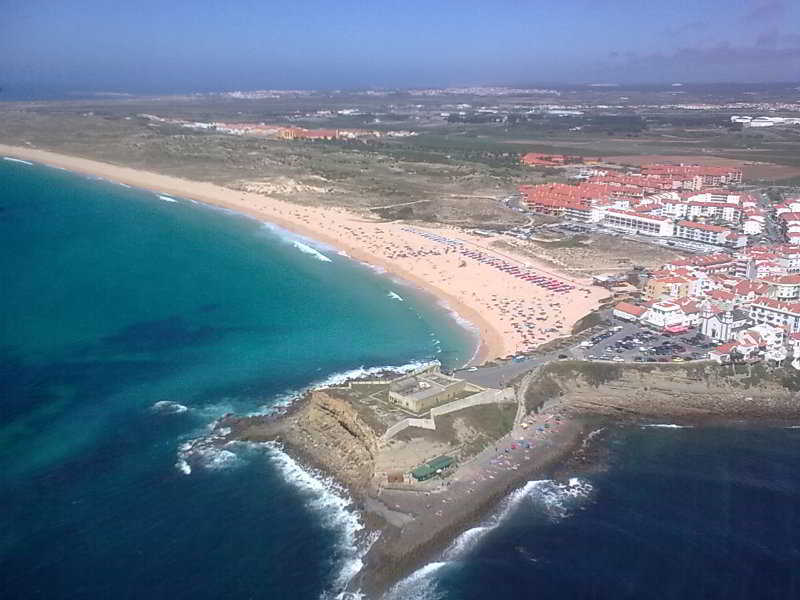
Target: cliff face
{"type": "Point", "coordinates": [695, 390]}
{"type": "Point", "coordinates": [325, 430]}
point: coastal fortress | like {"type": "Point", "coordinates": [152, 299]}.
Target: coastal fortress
{"type": "Point", "coordinates": [425, 454]}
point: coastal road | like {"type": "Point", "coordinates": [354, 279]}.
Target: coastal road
{"type": "Point", "coordinates": [500, 375]}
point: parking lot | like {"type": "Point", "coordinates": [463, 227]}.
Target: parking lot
{"type": "Point", "coordinates": [632, 342]}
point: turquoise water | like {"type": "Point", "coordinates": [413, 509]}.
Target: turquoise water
{"type": "Point", "coordinates": [114, 299]}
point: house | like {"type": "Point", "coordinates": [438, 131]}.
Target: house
{"type": "Point", "coordinates": [667, 316]}
{"type": "Point", "coordinates": [670, 286]}
{"type": "Point", "coordinates": [753, 343]}
{"type": "Point", "coordinates": [793, 341]}
{"type": "Point", "coordinates": [628, 312]}
{"type": "Point", "coordinates": [722, 353]}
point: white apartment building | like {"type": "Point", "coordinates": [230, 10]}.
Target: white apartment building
{"type": "Point", "coordinates": [632, 222]}
{"type": "Point", "coordinates": [776, 313]}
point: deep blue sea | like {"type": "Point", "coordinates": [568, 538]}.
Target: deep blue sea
{"type": "Point", "coordinates": [131, 321]}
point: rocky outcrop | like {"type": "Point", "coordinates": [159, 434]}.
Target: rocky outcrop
{"type": "Point", "coordinates": [324, 430]}
{"type": "Point", "coordinates": [692, 390]}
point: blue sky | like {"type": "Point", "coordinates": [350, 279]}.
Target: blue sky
{"type": "Point", "coordinates": [249, 44]}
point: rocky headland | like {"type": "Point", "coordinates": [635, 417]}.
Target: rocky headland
{"type": "Point", "coordinates": [563, 404]}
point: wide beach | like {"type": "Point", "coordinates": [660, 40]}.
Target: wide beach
{"type": "Point", "coordinates": [461, 269]}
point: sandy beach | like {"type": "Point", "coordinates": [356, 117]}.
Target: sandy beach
{"type": "Point", "coordinates": [514, 302]}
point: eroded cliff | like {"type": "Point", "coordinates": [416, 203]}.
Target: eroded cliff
{"type": "Point", "coordinates": [325, 430]}
{"type": "Point", "coordinates": [692, 390]}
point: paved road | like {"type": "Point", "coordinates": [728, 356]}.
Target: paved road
{"type": "Point", "coordinates": [502, 373]}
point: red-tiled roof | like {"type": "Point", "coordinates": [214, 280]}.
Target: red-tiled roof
{"type": "Point", "coordinates": [789, 307]}
{"type": "Point", "coordinates": [631, 309]}
{"type": "Point", "coordinates": [703, 226]}
{"type": "Point", "coordinates": [632, 214]}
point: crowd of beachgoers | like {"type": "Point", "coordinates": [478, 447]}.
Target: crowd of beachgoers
{"type": "Point", "coordinates": [514, 303]}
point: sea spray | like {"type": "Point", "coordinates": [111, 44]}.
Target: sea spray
{"type": "Point", "coordinates": [554, 498]}
{"type": "Point", "coordinates": [420, 585]}
{"type": "Point", "coordinates": [200, 447]}
{"type": "Point", "coordinates": [284, 400]}
{"type": "Point", "coordinates": [336, 511]}
{"type": "Point", "coordinates": [167, 407]}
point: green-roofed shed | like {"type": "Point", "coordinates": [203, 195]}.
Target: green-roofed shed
{"type": "Point", "coordinates": [423, 472]}
{"type": "Point", "coordinates": [430, 469]}
{"type": "Point", "coordinates": [441, 462]}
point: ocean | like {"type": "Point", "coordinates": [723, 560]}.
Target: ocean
{"type": "Point", "coordinates": [674, 513]}
{"type": "Point", "coordinates": [132, 320]}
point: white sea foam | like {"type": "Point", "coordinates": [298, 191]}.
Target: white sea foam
{"type": "Point", "coordinates": [666, 426]}
{"type": "Point", "coordinates": [18, 160]}
{"type": "Point", "coordinates": [167, 407]}
{"type": "Point", "coordinates": [125, 185]}
{"type": "Point", "coordinates": [166, 198]}
{"type": "Point", "coordinates": [304, 244]}
{"type": "Point", "coordinates": [395, 296]}
{"type": "Point", "coordinates": [183, 466]}
{"type": "Point", "coordinates": [466, 541]}
{"type": "Point", "coordinates": [420, 585]}
{"type": "Point", "coordinates": [288, 397]}
{"type": "Point", "coordinates": [306, 249]}
{"type": "Point", "coordinates": [335, 508]}
{"type": "Point", "coordinates": [556, 499]}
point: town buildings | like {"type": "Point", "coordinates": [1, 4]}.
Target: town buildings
{"type": "Point", "coordinates": [667, 201]}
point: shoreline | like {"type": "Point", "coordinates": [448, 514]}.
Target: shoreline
{"type": "Point", "coordinates": [440, 279]}
{"type": "Point", "coordinates": [487, 338]}
{"type": "Point", "coordinates": [566, 440]}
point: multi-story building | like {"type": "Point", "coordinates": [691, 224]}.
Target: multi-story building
{"type": "Point", "coordinates": [641, 223]}
{"type": "Point", "coordinates": [702, 232]}
{"type": "Point", "coordinates": [777, 313]}
{"type": "Point", "coordinates": [783, 287]}
{"type": "Point", "coordinates": [657, 288]}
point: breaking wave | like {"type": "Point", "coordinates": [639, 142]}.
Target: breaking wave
{"type": "Point", "coordinates": [301, 243]}
{"type": "Point", "coordinates": [206, 450]}
{"type": "Point", "coordinates": [337, 513]}
{"type": "Point", "coordinates": [665, 426]}
{"type": "Point", "coordinates": [556, 499]}
{"type": "Point", "coordinates": [420, 585]}
{"type": "Point", "coordinates": [309, 250]}
{"type": "Point", "coordinates": [18, 160]}
{"type": "Point", "coordinates": [166, 198]}
{"type": "Point", "coordinates": [395, 296]}
{"type": "Point", "coordinates": [285, 399]}
{"type": "Point", "coordinates": [167, 407]}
